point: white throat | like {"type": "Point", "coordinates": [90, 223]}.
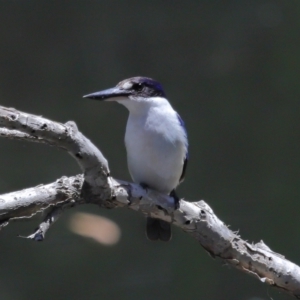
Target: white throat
{"type": "Point", "coordinates": [141, 105]}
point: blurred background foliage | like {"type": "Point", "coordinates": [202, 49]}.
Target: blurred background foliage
{"type": "Point", "coordinates": [231, 69]}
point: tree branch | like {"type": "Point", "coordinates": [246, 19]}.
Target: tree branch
{"type": "Point", "coordinates": [97, 187]}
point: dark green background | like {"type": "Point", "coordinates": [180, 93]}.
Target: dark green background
{"type": "Point", "coordinates": [231, 69]}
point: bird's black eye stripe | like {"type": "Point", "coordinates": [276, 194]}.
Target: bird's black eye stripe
{"type": "Point", "coordinates": [137, 86]}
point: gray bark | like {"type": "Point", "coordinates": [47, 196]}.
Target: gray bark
{"type": "Point", "coordinates": [96, 186]}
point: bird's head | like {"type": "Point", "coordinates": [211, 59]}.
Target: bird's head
{"type": "Point", "coordinates": [132, 93]}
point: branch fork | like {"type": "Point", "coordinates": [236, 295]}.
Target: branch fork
{"type": "Point", "coordinates": [96, 186]}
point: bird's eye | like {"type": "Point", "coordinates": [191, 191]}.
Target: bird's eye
{"type": "Point", "coordinates": [137, 86]}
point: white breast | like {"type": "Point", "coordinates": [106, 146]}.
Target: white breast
{"type": "Point", "coordinates": [156, 148]}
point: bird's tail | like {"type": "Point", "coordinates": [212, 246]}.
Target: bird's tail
{"type": "Point", "coordinates": [158, 230]}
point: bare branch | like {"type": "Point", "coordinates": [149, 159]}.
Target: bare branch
{"type": "Point", "coordinates": [28, 202]}
{"type": "Point", "coordinates": [64, 136]}
{"type": "Point", "coordinates": [195, 218]}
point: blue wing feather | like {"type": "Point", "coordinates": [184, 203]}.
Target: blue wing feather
{"type": "Point", "coordinates": [186, 154]}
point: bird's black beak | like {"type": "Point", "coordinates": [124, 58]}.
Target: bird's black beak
{"type": "Point", "coordinates": [109, 94]}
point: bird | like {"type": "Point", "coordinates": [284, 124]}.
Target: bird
{"type": "Point", "coordinates": [155, 139]}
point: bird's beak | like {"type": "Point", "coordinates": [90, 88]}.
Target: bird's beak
{"type": "Point", "coordinates": [109, 94]}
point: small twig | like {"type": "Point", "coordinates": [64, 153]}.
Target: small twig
{"type": "Point", "coordinates": [95, 186]}
{"type": "Point", "coordinates": [17, 135]}
{"type": "Point", "coordinates": [50, 218]}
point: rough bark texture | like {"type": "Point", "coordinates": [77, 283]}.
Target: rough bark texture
{"type": "Point", "coordinates": [96, 186]}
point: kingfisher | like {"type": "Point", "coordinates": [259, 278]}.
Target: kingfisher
{"type": "Point", "coordinates": [155, 139]}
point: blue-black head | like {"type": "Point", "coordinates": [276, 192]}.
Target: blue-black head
{"type": "Point", "coordinates": [142, 87]}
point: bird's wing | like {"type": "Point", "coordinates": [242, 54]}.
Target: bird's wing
{"type": "Point", "coordinates": [183, 169]}
{"type": "Point", "coordinates": [185, 160]}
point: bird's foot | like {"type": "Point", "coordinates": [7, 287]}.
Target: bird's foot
{"type": "Point", "coordinates": [144, 186]}
{"type": "Point", "coordinates": [176, 199]}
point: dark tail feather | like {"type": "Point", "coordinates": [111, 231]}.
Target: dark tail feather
{"type": "Point", "coordinates": [158, 230]}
